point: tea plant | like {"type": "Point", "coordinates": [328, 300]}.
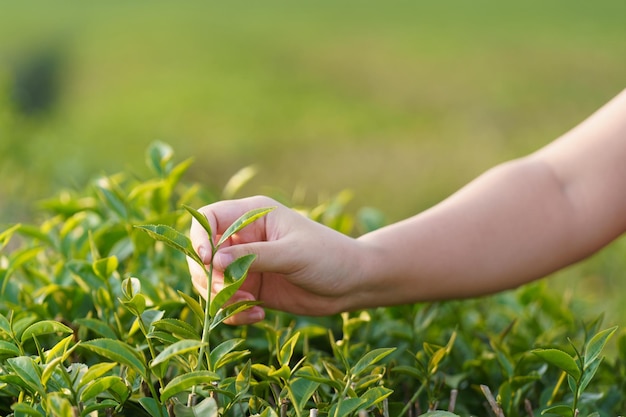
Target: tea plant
{"type": "Point", "coordinates": [98, 317]}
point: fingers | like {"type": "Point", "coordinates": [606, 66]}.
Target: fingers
{"type": "Point", "coordinates": [220, 216]}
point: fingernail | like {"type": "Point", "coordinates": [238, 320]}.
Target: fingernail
{"type": "Point", "coordinates": [255, 314]}
{"type": "Point", "coordinates": [223, 259]}
{"type": "Point", "coordinates": [202, 252]}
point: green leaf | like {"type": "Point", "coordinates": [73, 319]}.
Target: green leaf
{"type": "Point", "coordinates": [193, 305]}
{"type": "Point", "coordinates": [242, 222]}
{"type": "Point", "coordinates": [561, 410]}
{"type": "Point", "coordinates": [234, 276]}
{"type": "Point", "coordinates": [119, 352]}
{"type": "Point", "coordinates": [186, 381]}
{"type": "Point", "coordinates": [6, 235]}
{"type": "Point", "coordinates": [178, 328]}
{"type": "Point", "coordinates": [45, 327]}
{"type": "Point", "coordinates": [286, 350]}
{"type": "Point", "coordinates": [97, 387]}
{"type": "Point", "coordinates": [205, 408]}
{"type": "Point", "coordinates": [29, 372]}
{"type": "Point", "coordinates": [223, 348]}
{"type": "Point", "coordinates": [97, 326]}
{"type": "Point", "coordinates": [300, 390]}
{"type": "Point", "coordinates": [103, 268]}
{"type": "Point", "coordinates": [374, 395]}
{"type": "Point", "coordinates": [596, 344]}
{"type": "Point", "coordinates": [159, 158]}
{"type": "Point", "coordinates": [152, 406]}
{"type": "Point", "coordinates": [346, 408]}
{"type": "Point", "coordinates": [438, 414]}
{"type": "Point", "coordinates": [202, 220]}
{"type": "Point", "coordinates": [96, 371]}
{"type": "Point", "coordinates": [230, 310]}
{"type": "Point", "coordinates": [588, 374]}
{"type": "Point", "coordinates": [8, 349]}
{"type": "Point", "coordinates": [171, 237]}
{"type": "Point", "coordinates": [560, 359]}
{"type": "Point", "coordinates": [25, 409]}
{"type": "Point", "coordinates": [103, 405]}
{"type": "Point", "coordinates": [179, 348]}
{"type": "Point", "coordinates": [242, 382]}
{"type": "Point", "coordinates": [370, 358]}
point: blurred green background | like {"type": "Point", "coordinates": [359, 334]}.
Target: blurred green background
{"type": "Point", "coordinates": [401, 102]}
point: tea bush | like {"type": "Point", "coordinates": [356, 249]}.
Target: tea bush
{"type": "Point", "coordinates": [98, 317]}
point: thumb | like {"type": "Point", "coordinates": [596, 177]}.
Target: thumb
{"type": "Point", "coordinates": [270, 256]}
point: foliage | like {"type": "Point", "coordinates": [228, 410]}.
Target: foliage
{"type": "Point", "coordinates": [98, 317]}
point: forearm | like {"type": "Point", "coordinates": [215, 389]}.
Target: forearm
{"type": "Point", "coordinates": [511, 225]}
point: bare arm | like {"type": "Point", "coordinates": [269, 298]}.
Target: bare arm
{"type": "Point", "coordinates": [517, 222]}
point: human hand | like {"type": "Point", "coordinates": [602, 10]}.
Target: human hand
{"type": "Point", "coordinates": [301, 267]}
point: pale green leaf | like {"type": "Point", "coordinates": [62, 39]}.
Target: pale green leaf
{"type": "Point", "coordinates": [370, 358]}
{"type": "Point", "coordinates": [561, 410]}
{"type": "Point", "coordinates": [596, 344]}
{"type": "Point", "coordinates": [171, 237]}
{"type": "Point", "coordinates": [234, 276]}
{"type": "Point", "coordinates": [286, 350]}
{"type": "Point", "coordinates": [100, 385]}
{"type": "Point", "coordinates": [242, 222]}
{"type": "Point", "coordinates": [45, 327]}
{"type": "Point", "coordinates": [179, 348]}
{"type": "Point", "coordinates": [202, 220]}
{"type": "Point", "coordinates": [119, 352]}
{"type": "Point", "coordinates": [184, 382]}
{"type": "Point", "coordinates": [560, 359]}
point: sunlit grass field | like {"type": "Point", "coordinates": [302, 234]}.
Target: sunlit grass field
{"type": "Point", "coordinates": [400, 103]}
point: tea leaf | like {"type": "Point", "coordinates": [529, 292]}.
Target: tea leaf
{"type": "Point", "coordinates": [596, 344]}
{"type": "Point", "coordinates": [559, 359]}
{"type": "Point", "coordinates": [589, 373]}
{"type": "Point", "coordinates": [223, 348]}
{"type": "Point", "coordinates": [202, 220]}
{"type": "Point", "coordinates": [97, 326]}
{"type": "Point", "coordinates": [8, 349]}
{"type": "Point", "coordinates": [193, 305]}
{"type": "Point", "coordinates": [300, 390]}
{"type": "Point", "coordinates": [346, 408]}
{"type": "Point", "coordinates": [177, 327]}
{"type": "Point", "coordinates": [44, 327]}
{"type": "Point", "coordinates": [6, 235]}
{"type": "Point", "coordinates": [370, 358]}
{"type": "Point", "coordinates": [113, 383]}
{"type": "Point", "coordinates": [152, 406]}
{"type": "Point", "coordinates": [186, 381]}
{"type": "Point", "coordinates": [178, 348]}
{"type": "Point", "coordinates": [561, 410]}
{"type": "Point", "coordinates": [242, 222]}
{"type": "Point", "coordinates": [375, 395]}
{"type": "Point", "coordinates": [26, 410]}
{"type": "Point", "coordinates": [171, 237]}
{"type": "Point", "coordinates": [206, 408]}
{"type": "Point", "coordinates": [159, 158]}
{"type": "Point", "coordinates": [103, 405]}
{"type": "Point", "coordinates": [119, 352]}
{"type": "Point", "coordinates": [96, 371]}
{"type": "Point", "coordinates": [103, 268]}
{"type": "Point", "coordinates": [242, 382]}
{"type": "Point", "coordinates": [230, 310]}
{"type": "Point", "coordinates": [29, 372]}
{"type": "Point", "coordinates": [234, 276]}
{"type": "Point", "coordinates": [286, 350]}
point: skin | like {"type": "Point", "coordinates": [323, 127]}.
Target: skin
{"type": "Point", "coordinates": [517, 222]}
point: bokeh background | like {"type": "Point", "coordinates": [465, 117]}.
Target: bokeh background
{"type": "Point", "coordinates": [402, 103]}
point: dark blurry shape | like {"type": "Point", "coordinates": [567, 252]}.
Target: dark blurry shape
{"type": "Point", "coordinates": [36, 81]}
